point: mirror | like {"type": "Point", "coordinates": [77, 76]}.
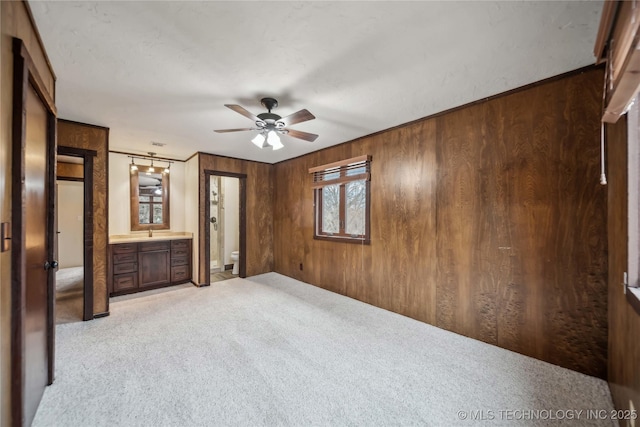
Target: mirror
{"type": "Point", "coordinates": [149, 199]}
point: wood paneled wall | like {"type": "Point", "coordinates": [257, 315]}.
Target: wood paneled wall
{"type": "Point", "coordinates": [259, 225]}
{"type": "Point", "coordinates": [624, 322]}
{"type": "Point", "coordinates": [487, 221]}
{"type": "Point", "coordinates": [90, 137]}
{"type": "Point", "coordinates": [73, 171]}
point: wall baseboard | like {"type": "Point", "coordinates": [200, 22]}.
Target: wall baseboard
{"type": "Point", "coordinates": [99, 315]}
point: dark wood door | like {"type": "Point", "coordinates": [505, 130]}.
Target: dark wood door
{"type": "Point", "coordinates": [37, 253]}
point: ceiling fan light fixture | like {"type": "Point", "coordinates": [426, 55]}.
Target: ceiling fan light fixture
{"type": "Point", "coordinates": [258, 140]}
{"type": "Point", "coordinates": [274, 141]}
{"type": "Point", "coordinates": [273, 138]}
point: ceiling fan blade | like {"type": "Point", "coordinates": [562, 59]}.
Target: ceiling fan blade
{"type": "Point", "coordinates": [298, 117]}
{"type": "Point", "coordinates": [302, 135]}
{"type": "Point", "coordinates": [240, 110]}
{"type": "Point", "coordinates": [232, 130]}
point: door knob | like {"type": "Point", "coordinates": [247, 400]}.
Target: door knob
{"type": "Point", "coordinates": [52, 264]}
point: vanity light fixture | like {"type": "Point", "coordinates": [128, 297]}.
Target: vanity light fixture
{"type": "Point", "coordinates": [151, 169]}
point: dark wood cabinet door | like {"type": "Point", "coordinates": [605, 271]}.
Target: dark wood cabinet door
{"type": "Point", "coordinates": [154, 268]}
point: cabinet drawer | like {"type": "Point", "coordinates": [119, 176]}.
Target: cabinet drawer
{"type": "Point", "coordinates": [179, 252]}
{"type": "Point", "coordinates": [154, 246]}
{"type": "Point", "coordinates": [179, 260]}
{"type": "Point", "coordinates": [180, 244]}
{"type": "Point", "coordinates": [180, 273]}
{"type": "Point", "coordinates": [124, 248]}
{"type": "Point", "coordinates": [127, 267]}
{"type": "Point", "coordinates": [120, 258]}
{"type": "Point", "coordinates": [123, 282]}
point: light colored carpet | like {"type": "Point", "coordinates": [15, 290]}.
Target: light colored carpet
{"type": "Point", "coordinates": [270, 350]}
{"type": "Point", "coordinates": [69, 294]}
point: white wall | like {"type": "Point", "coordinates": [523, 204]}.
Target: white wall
{"type": "Point", "coordinates": [70, 207]}
{"type": "Point", "coordinates": [119, 197]}
{"type": "Point", "coordinates": [231, 192]}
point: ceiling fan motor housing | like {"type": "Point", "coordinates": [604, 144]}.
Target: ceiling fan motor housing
{"type": "Point", "coordinates": [269, 103]}
{"type": "Point", "coordinates": [269, 116]}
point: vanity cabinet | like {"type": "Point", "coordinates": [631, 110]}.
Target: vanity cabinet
{"type": "Point", "coordinates": [135, 267]}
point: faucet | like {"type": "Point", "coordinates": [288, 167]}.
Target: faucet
{"type": "Point", "coordinates": [150, 232]}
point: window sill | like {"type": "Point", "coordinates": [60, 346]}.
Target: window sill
{"type": "Point", "coordinates": [343, 240]}
{"type": "Point", "coordinates": [633, 297]}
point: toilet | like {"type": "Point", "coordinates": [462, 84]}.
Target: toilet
{"type": "Point", "coordinates": [235, 257]}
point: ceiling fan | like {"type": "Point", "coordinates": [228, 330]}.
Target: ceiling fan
{"type": "Point", "coordinates": [270, 124]}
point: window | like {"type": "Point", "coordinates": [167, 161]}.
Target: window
{"type": "Point", "coordinates": [341, 200]}
{"type": "Point", "coordinates": [150, 206]}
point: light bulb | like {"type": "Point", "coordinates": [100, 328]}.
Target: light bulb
{"type": "Point", "coordinates": [258, 140]}
{"type": "Point", "coordinates": [134, 167]}
{"type": "Point", "coordinates": [166, 170]}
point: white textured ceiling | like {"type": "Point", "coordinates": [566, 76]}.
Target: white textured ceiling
{"type": "Point", "coordinates": [161, 71]}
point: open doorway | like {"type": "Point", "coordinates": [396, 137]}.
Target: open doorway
{"type": "Point", "coordinates": [70, 240]}
{"type": "Point", "coordinates": [74, 235]}
{"type": "Point", "coordinates": [225, 228]}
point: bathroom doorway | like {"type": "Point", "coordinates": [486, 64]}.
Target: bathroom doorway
{"type": "Point", "coordinates": [70, 239]}
{"type": "Point", "coordinates": [74, 234]}
{"type": "Point", "coordinates": [225, 227]}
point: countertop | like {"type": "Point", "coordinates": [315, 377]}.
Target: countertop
{"type": "Point", "coordinates": [144, 236]}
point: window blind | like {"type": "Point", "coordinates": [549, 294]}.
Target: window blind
{"type": "Point", "coordinates": [353, 169]}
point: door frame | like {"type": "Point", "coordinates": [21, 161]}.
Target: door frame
{"type": "Point", "coordinates": [87, 246]}
{"type": "Point", "coordinates": [242, 267]}
{"type": "Point", "coordinates": [25, 74]}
